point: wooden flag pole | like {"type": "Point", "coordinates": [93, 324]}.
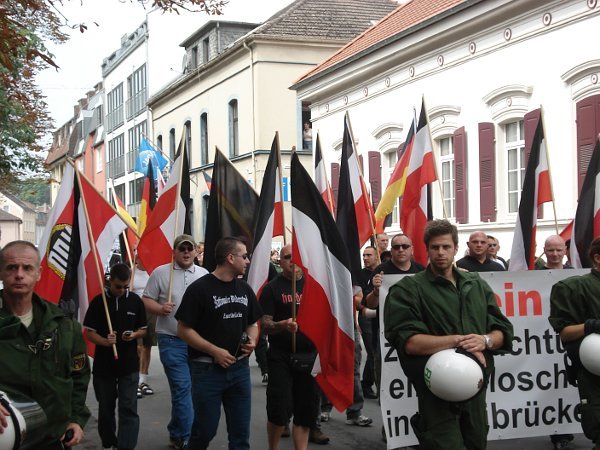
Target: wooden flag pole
{"type": "Point", "coordinates": [435, 167]}
{"type": "Point", "coordinates": [124, 234]}
{"type": "Point", "coordinates": [549, 172]}
{"type": "Point", "coordinates": [95, 253]}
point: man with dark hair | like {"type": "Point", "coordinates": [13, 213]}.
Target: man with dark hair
{"type": "Point", "coordinates": [36, 333]}
{"type": "Point", "coordinates": [443, 308]}
{"type": "Point", "coordinates": [478, 260]}
{"type": "Point", "coordinates": [162, 297]}
{"type": "Point", "coordinates": [367, 321]}
{"type": "Point", "coordinates": [218, 320]}
{"type": "Point", "coordinates": [291, 390]}
{"type": "Point", "coordinates": [116, 376]}
{"type": "Point", "coordinates": [575, 314]}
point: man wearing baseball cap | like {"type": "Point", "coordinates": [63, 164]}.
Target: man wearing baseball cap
{"type": "Point", "coordinates": [162, 297]}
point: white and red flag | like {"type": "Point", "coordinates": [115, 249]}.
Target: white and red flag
{"type": "Point", "coordinates": [321, 180]}
{"type": "Point", "coordinates": [269, 221]}
{"type": "Point", "coordinates": [170, 216]}
{"type": "Point", "coordinates": [326, 314]}
{"type": "Point", "coordinates": [586, 226]}
{"type": "Point", "coordinates": [536, 191]}
{"type": "Point", "coordinates": [415, 211]}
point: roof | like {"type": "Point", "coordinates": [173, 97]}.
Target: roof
{"type": "Point", "coordinates": [7, 217]}
{"type": "Point", "coordinates": [330, 19]}
{"type": "Point", "coordinates": [403, 18]}
{"type": "Point", "coordinates": [22, 203]}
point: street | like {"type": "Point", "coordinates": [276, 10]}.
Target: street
{"type": "Point", "coordinates": [154, 413]}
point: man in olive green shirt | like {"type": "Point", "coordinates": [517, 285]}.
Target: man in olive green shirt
{"type": "Point", "coordinates": [438, 309]}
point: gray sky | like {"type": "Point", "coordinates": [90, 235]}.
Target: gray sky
{"type": "Point", "coordinates": [80, 58]}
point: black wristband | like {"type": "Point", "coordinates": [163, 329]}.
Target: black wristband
{"type": "Point", "coordinates": [591, 326]}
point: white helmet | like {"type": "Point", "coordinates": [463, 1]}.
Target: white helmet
{"type": "Point", "coordinates": [589, 353]}
{"type": "Point", "coordinates": [25, 423]}
{"type": "Point", "coordinates": [452, 376]}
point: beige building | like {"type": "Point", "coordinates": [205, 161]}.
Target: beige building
{"type": "Point", "coordinates": [234, 94]}
{"type": "Point", "coordinates": [10, 226]}
{"type": "Point", "coordinates": [22, 210]}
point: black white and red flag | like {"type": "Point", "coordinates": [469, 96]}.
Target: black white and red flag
{"type": "Point", "coordinates": [321, 180]}
{"type": "Point", "coordinates": [586, 226]}
{"type": "Point", "coordinates": [536, 191]}
{"type": "Point", "coordinates": [170, 216]}
{"type": "Point", "coordinates": [269, 221]}
{"type": "Point", "coordinates": [326, 314]}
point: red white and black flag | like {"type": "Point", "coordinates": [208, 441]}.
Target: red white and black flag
{"type": "Point", "coordinates": [354, 218]}
{"type": "Point", "coordinates": [586, 226]}
{"type": "Point", "coordinates": [269, 221]}
{"type": "Point", "coordinates": [326, 314]}
{"type": "Point", "coordinates": [170, 216]}
{"type": "Point", "coordinates": [321, 180]}
{"type": "Point", "coordinates": [536, 191]}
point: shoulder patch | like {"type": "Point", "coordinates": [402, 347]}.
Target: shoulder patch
{"type": "Point", "coordinates": [79, 362]}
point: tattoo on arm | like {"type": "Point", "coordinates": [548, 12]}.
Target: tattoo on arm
{"type": "Point", "coordinates": [270, 327]}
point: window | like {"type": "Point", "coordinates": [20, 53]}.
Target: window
{"type": "Point", "coordinates": [233, 129]}
{"type": "Point", "coordinates": [172, 144]}
{"type": "Point", "coordinates": [205, 50]}
{"type": "Point", "coordinates": [159, 142]}
{"type": "Point", "coordinates": [204, 139]}
{"type": "Point", "coordinates": [137, 93]}
{"type": "Point", "coordinates": [98, 152]}
{"type": "Point", "coordinates": [120, 191]}
{"type": "Point", "coordinates": [135, 135]}
{"type": "Point", "coordinates": [97, 118]}
{"type": "Point", "coordinates": [136, 188]}
{"type": "Point", "coordinates": [116, 157]}
{"type": "Point", "coordinates": [447, 175]}
{"type": "Point", "coordinates": [114, 116]}
{"type": "Point", "coordinates": [515, 157]}
{"type": "Point", "coordinates": [392, 159]}
{"type": "Point", "coordinates": [194, 62]}
{"type": "Point", "coordinates": [188, 137]}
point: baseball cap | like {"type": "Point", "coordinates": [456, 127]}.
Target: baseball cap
{"type": "Point", "coordinates": [184, 238]}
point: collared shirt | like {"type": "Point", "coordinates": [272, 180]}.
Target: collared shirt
{"type": "Point", "coordinates": [473, 265]}
{"type": "Point", "coordinates": [157, 289]}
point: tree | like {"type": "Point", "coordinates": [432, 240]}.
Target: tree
{"type": "Point", "coordinates": [24, 119]}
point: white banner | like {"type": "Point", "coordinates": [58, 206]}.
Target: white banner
{"type": "Point", "coordinates": [528, 394]}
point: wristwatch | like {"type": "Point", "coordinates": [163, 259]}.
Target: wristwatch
{"type": "Point", "coordinates": [488, 342]}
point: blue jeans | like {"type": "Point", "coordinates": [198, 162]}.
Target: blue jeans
{"type": "Point", "coordinates": [174, 358]}
{"type": "Point", "coordinates": [107, 389]}
{"type": "Point", "coordinates": [355, 409]}
{"type": "Point", "coordinates": [211, 386]}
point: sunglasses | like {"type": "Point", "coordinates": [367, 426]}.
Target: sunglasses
{"type": "Point", "coordinates": [185, 248]}
{"type": "Point", "coordinates": [401, 246]}
{"type": "Point", "coordinates": [287, 256]}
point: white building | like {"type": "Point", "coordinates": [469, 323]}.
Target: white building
{"type": "Point", "coordinates": [481, 67]}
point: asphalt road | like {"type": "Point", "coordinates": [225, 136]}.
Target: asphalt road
{"type": "Point", "coordinates": [154, 414]}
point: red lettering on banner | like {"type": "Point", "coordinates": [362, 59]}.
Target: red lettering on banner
{"type": "Point", "coordinates": [524, 297]}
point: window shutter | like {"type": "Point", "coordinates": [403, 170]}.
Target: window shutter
{"type": "Point", "coordinates": [530, 122]}
{"type": "Point", "coordinates": [487, 172]}
{"type": "Point", "coordinates": [588, 127]}
{"type": "Point", "coordinates": [460, 175]}
{"type": "Point", "coordinates": [375, 177]}
{"type": "Point", "coordinates": [335, 181]}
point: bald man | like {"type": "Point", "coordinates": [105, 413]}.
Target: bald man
{"type": "Point", "coordinates": [555, 250]}
{"type": "Point", "coordinates": [478, 259]}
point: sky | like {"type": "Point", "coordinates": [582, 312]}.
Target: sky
{"type": "Point", "coordinates": [80, 58]}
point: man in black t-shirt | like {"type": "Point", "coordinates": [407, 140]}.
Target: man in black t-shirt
{"type": "Point", "coordinates": [218, 319]}
{"type": "Point", "coordinates": [117, 378]}
{"type": "Point", "coordinates": [478, 259]}
{"type": "Point", "coordinates": [290, 391]}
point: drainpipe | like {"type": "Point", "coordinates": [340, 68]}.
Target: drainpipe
{"type": "Point", "coordinates": [253, 113]}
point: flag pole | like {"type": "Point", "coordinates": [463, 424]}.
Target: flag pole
{"type": "Point", "coordinates": [182, 154]}
{"type": "Point", "coordinates": [156, 147]}
{"type": "Point", "coordinates": [280, 181]}
{"type": "Point", "coordinates": [124, 233]}
{"type": "Point", "coordinates": [435, 167]}
{"type": "Point", "coordinates": [549, 171]}
{"type": "Point", "coordinates": [95, 253]}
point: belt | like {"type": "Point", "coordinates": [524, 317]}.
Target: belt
{"type": "Point", "coordinates": [204, 359]}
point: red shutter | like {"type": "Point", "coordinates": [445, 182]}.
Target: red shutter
{"type": "Point", "coordinates": [375, 177]}
{"type": "Point", "coordinates": [588, 127]}
{"type": "Point", "coordinates": [460, 175]}
{"type": "Point", "coordinates": [487, 172]}
{"type": "Point", "coordinates": [530, 122]}
{"type": "Point", "coordinates": [335, 181]}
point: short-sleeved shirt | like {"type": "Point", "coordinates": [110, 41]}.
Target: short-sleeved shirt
{"type": "Point", "coordinates": [127, 313]}
{"type": "Point", "coordinates": [157, 289]}
{"type": "Point", "coordinates": [276, 301]}
{"type": "Point", "coordinates": [473, 265]}
{"type": "Point", "coordinates": [219, 311]}
{"type": "Point", "coordinates": [574, 300]}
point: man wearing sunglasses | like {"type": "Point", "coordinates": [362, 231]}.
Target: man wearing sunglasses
{"type": "Point", "coordinates": [161, 297]}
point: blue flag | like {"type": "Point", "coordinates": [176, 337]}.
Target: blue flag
{"type": "Point", "coordinates": [146, 154]}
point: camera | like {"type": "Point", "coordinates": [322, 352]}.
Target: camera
{"type": "Point", "coordinates": [244, 339]}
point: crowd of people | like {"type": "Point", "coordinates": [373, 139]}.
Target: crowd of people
{"type": "Point", "coordinates": [206, 326]}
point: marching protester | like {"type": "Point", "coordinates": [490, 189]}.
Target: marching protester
{"type": "Point", "coordinates": [163, 298]}
{"type": "Point", "coordinates": [369, 326]}
{"type": "Point", "coordinates": [493, 249]}
{"type": "Point", "coordinates": [116, 376]}
{"type": "Point", "coordinates": [424, 315]}
{"type": "Point", "coordinates": [36, 333]}
{"type": "Point", "coordinates": [139, 279]}
{"type": "Point", "coordinates": [382, 240]}
{"type": "Point", "coordinates": [291, 389]}
{"type": "Point", "coordinates": [218, 318]}
{"type": "Point", "coordinates": [478, 260]}
{"type": "Point", "coordinates": [574, 315]}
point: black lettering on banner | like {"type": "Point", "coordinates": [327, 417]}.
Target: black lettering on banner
{"type": "Point", "coordinates": [532, 414]}
{"type": "Point", "coordinates": [526, 381]}
{"type": "Point", "coordinates": [396, 425]}
{"type": "Point", "coordinates": [534, 344]}
{"type": "Point", "coordinates": [399, 388]}
{"type": "Point", "coordinates": [388, 356]}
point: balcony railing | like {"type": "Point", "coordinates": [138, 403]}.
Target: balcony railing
{"type": "Point", "coordinates": [136, 104]}
{"type": "Point", "coordinates": [114, 118]}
